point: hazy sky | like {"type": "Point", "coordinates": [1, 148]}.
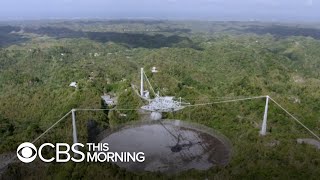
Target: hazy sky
{"type": "Point", "coordinates": [165, 9]}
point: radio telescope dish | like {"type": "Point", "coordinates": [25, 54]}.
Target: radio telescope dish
{"type": "Point", "coordinates": [170, 146]}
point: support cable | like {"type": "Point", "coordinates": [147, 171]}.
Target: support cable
{"type": "Point", "coordinates": [296, 119]}
{"type": "Point", "coordinates": [106, 109]}
{"type": "Point", "coordinates": [149, 84]}
{"type": "Point", "coordinates": [227, 101]}
{"type": "Point", "coordinates": [50, 127]}
{"type": "Point", "coordinates": [219, 98]}
{"type": "Point", "coordinates": [36, 139]}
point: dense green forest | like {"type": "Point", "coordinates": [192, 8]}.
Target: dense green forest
{"type": "Point", "coordinates": [198, 61]}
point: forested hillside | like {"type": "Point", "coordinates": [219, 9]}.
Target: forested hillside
{"type": "Point", "coordinates": [200, 62]}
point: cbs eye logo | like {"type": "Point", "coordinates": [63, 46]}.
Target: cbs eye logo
{"type": "Point", "coordinates": [25, 151]}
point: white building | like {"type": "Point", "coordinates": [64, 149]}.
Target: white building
{"type": "Point", "coordinates": [154, 70]}
{"type": "Point", "coordinates": [73, 84]}
{"type": "Point", "coordinates": [109, 100]}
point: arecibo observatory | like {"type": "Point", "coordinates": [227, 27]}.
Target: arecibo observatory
{"type": "Point", "coordinates": [206, 89]}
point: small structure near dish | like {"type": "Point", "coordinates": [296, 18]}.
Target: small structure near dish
{"type": "Point", "coordinates": [122, 115]}
{"type": "Point", "coordinates": [154, 70]}
{"type": "Point", "coordinates": [73, 84]}
{"type": "Point", "coordinates": [109, 100]}
{"type": "Point", "coordinates": [170, 146]}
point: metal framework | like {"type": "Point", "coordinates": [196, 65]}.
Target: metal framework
{"type": "Point", "coordinates": [160, 103]}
